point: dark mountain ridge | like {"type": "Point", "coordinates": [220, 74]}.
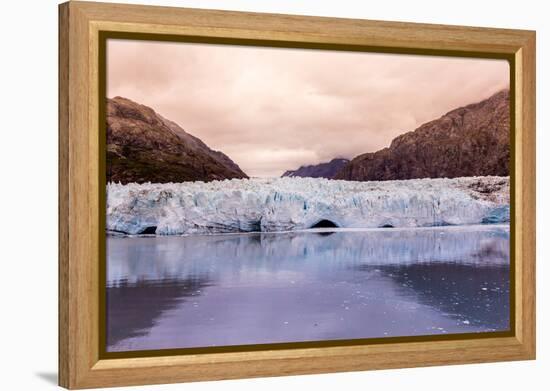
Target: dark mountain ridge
{"type": "Point", "coordinates": [321, 170]}
{"type": "Point", "coordinates": [469, 141]}
{"type": "Point", "coordinates": [142, 146]}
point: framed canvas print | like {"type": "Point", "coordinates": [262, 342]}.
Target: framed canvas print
{"type": "Point", "coordinates": [249, 195]}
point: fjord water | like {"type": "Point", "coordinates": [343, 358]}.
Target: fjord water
{"type": "Point", "coordinates": [166, 292]}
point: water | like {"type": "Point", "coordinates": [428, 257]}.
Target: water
{"type": "Point", "coordinates": [237, 289]}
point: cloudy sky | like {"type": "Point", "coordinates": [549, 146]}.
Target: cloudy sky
{"type": "Point", "coordinates": [271, 110]}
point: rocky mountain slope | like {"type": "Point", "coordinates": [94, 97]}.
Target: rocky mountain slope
{"type": "Point", "coordinates": [469, 141]}
{"type": "Point", "coordinates": [322, 170]}
{"type": "Point", "coordinates": [142, 146]}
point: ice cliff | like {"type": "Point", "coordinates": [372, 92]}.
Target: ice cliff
{"type": "Point", "coordinates": [283, 204]}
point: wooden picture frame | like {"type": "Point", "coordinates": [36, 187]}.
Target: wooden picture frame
{"type": "Point", "coordinates": [81, 205]}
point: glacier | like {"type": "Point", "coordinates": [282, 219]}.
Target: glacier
{"type": "Point", "coordinates": [293, 203]}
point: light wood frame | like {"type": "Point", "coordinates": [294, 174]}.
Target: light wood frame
{"type": "Point", "coordinates": [80, 24]}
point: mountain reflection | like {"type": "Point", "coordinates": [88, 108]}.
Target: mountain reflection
{"type": "Point", "coordinates": [133, 307]}
{"type": "Point", "coordinates": [457, 289]}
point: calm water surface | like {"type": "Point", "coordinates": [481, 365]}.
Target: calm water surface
{"type": "Point", "coordinates": [236, 289]}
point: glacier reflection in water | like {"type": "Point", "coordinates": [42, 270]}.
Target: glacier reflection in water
{"type": "Point", "coordinates": [237, 289]}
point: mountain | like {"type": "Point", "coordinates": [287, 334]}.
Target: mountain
{"type": "Point", "coordinates": [469, 141]}
{"type": "Point", "coordinates": [322, 170]}
{"type": "Point", "coordinates": [142, 146]}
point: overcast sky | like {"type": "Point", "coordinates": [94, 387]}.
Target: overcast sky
{"type": "Point", "coordinates": [271, 110]}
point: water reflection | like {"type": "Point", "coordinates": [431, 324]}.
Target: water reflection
{"type": "Point", "coordinates": [173, 292]}
{"type": "Point", "coordinates": [440, 286]}
{"type": "Point", "coordinates": [152, 298]}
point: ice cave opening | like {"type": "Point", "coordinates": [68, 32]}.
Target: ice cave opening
{"type": "Point", "coordinates": [325, 224]}
{"type": "Point", "coordinates": [149, 231]}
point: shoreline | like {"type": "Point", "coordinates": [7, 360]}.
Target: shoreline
{"type": "Point", "coordinates": [479, 227]}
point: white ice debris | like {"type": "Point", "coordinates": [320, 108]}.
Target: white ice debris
{"type": "Point", "coordinates": [281, 204]}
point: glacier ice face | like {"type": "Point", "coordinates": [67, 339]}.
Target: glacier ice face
{"type": "Point", "coordinates": [284, 204]}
